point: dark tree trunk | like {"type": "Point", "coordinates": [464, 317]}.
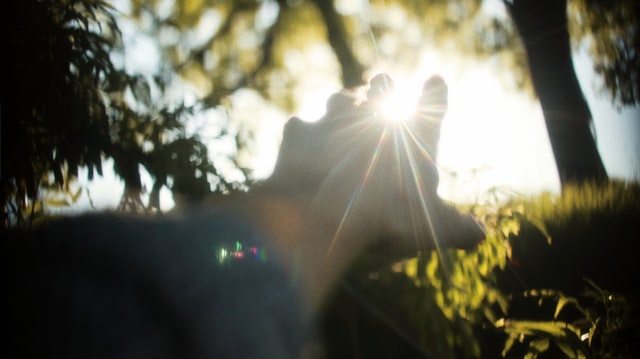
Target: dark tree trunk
{"type": "Point", "coordinates": [542, 25]}
{"type": "Point", "coordinates": [352, 70]}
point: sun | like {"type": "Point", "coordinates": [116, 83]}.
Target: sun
{"type": "Point", "coordinates": [398, 106]}
{"type": "Point", "coordinates": [393, 101]}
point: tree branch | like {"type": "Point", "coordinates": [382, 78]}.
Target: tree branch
{"type": "Point", "coordinates": [352, 70]}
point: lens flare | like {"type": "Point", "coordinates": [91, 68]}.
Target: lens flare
{"type": "Point", "coordinates": [397, 107]}
{"type": "Point", "coordinates": [356, 193]}
{"type": "Point", "coordinates": [407, 149]}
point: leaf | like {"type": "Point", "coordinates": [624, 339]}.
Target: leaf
{"type": "Point", "coordinates": [509, 344]}
{"type": "Point", "coordinates": [529, 327]}
{"type": "Point", "coordinates": [539, 345]}
{"type": "Point", "coordinates": [142, 91]}
{"type": "Point", "coordinates": [592, 331]}
{"type": "Point", "coordinates": [510, 226]}
{"type": "Point", "coordinates": [541, 226]}
{"type": "Point", "coordinates": [411, 268]}
{"type": "Point", "coordinates": [491, 316]}
{"type": "Point", "coordinates": [57, 203]}
{"type": "Point", "coordinates": [561, 303]}
{"type": "Point", "coordinates": [76, 196]}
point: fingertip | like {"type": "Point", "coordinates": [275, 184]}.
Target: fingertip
{"type": "Point", "coordinates": [380, 85]}
{"type": "Point", "coordinates": [435, 81]}
{"type": "Point", "coordinates": [381, 79]}
{"type": "Point", "coordinates": [294, 120]}
{"type": "Point", "coordinates": [292, 125]}
{"type": "Point", "coordinates": [434, 96]}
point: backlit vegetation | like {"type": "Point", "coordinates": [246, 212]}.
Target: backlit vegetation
{"type": "Point", "coordinates": [554, 278]}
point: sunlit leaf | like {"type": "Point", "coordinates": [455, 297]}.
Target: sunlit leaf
{"type": "Point", "coordinates": [510, 226]}
{"type": "Point", "coordinates": [511, 340]}
{"type": "Point", "coordinates": [192, 6]}
{"type": "Point", "coordinates": [75, 196]}
{"type": "Point", "coordinates": [411, 267]}
{"type": "Point", "coordinates": [57, 203]}
{"type": "Point", "coordinates": [592, 331]}
{"type": "Point", "coordinates": [562, 301]}
{"type": "Point", "coordinates": [540, 225]}
{"type": "Point", "coordinates": [539, 345]}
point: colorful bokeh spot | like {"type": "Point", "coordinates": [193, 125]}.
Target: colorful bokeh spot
{"type": "Point", "coordinates": [239, 252]}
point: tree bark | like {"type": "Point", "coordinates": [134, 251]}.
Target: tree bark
{"type": "Point", "coordinates": [352, 70]}
{"type": "Point", "coordinates": [542, 25]}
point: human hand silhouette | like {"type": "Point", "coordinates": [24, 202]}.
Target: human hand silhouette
{"type": "Point", "coordinates": [242, 277]}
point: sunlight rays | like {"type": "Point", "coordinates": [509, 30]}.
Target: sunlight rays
{"type": "Point", "coordinates": [419, 145]}
{"type": "Point", "coordinates": [356, 193]}
{"type": "Point", "coordinates": [398, 106]}
{"type": "Point", "coordinates": [409, 158]}
{"type": "Point", "coordinates": [419, 184]}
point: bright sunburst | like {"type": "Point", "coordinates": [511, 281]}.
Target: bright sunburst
{"type": "Point", "coordinates": [411, 153]}
{"type": "Point", "coordinates": [398, 105]}
{"type": "Point", "coordinates": [394, 103]}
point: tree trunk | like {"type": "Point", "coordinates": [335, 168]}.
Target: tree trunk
{"type": "Point", "coordinates": [352, 70]}
{"type": "Point", "coordinates": [542, 25]}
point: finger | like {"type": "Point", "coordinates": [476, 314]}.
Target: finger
{"type": "Point", "coordinates": [380, 86]}
{"type": "Point", "coordinates": [431, 109]}
{"type": "Point", "coordinates": [343, 113]}
{"type": "Point", "coordinates": [433, 103]}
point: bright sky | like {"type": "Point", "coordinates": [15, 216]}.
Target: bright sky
{"type": "Point", "coordinates": [490, 138]}
{"type": "Point", "coordinates": [493, 138]}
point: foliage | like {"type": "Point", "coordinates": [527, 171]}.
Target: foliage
{"type": "Point", "coordinates": [541, 285]}
{"type": "Point", "coordinates": [466, 27]}
{"type": "Point", "coordinates": [611, 31]}
{"type": "Point", "coordinates": [224, 46]}
{"type": "Point", "coordinates": [155, 137]}
{"type": "Point", "coordinates": [53, 115]}
{"type": "Point", "coordinates": [263, 45]}
{"type": "Point", "coordinates": [66, 106]}
{"type": "Point", "coordinates": [277, 48]}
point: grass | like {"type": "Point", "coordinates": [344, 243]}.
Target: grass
{"type": "Point", "coordinates": [556, 277]}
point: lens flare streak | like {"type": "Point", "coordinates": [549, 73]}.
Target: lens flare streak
{"type": "Point", "coordinates": [417, 179]}
{"type": "Point", "coordinates": [404, 139]}
{"type": "Point", "coordinates": [421, 147]}
{"type": "Point", "coordinates": [360, 187]}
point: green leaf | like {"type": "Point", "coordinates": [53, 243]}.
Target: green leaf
{"type": "Point", "coordinates": [489, 314]}
{"type": "Point", "coordinates": [509, 344]}
{"type": "Point", "coordinates": [76, 196]}
{"type": "Point", "coordinates": [561, 303]}
{"type": "Point", "coordinates": [592, 330]}
{"type": "Point", "coordinates": [541, 226]}
{"type": "Point", "coordinates": [539, 346]}
{"type": "Point", "coordinates": [57, 203]}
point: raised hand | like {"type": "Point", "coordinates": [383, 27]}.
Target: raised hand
{"type": "Point", "coordinates": [368, 183]}
{"type": "Point", "coordinates": [241, 277]}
